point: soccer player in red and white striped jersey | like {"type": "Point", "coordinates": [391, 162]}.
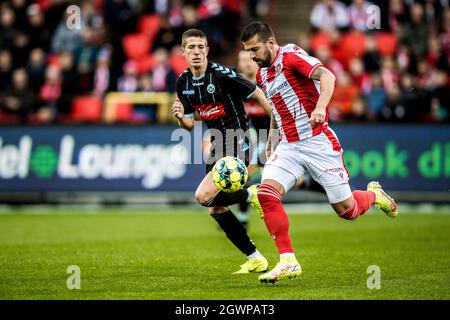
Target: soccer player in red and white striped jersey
{"type": "Point", "coordinates": [299, 88]}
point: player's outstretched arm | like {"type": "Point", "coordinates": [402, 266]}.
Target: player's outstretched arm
{"type": "Point", "coordinates": [178, 111]}
{"type": "Point", "coordinates": [327, 79]}
{"type": "Point", "coordinates": [260, 97]}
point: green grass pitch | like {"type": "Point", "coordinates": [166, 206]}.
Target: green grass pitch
{"type": "Point", "coordinates": [174, 254]}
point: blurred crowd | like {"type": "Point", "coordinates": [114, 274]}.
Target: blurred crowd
{"type": "Point", "coordinates": [391, 58]}
{"type": "Point", "coordinates": [55, 53]}
{"type": "Point", "coordinates": [58, 58]}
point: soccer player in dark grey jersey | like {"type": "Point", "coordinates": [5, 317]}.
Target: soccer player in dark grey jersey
{"type": "Point", "coordinates": [217, 93]}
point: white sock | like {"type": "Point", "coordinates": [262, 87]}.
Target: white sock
{"type": "Point", "coordinates": [287, 255]}
{"type": "Point", "coordinates": [250, 195]}
{"type": "Point", "coordinates": [254, 255]}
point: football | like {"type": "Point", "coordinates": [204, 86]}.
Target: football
{"type": "Point", "coordinates": [229, 174]}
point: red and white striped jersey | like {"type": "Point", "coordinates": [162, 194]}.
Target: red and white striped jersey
{"type": "Point", "coordinates": [291, 93]}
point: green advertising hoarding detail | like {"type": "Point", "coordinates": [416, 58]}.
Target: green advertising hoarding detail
{"type": "Point", "coordinates": [138, 159]}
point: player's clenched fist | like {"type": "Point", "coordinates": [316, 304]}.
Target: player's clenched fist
{"type": "Point", "coordinates": [317, 116]}
{"type": "Point", "coordinates": [177, 109]}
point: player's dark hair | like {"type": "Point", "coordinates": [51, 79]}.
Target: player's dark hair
{"type": "Point", "coordinates": [263, 30]}
{"type": "Point", "coordinates": [192, 33]}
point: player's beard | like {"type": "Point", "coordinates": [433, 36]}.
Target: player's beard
{"type": "Point", "coordinates": [265, 62]}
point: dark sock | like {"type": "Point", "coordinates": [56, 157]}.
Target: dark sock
{"type": "Point", "coordinates": [225, 199]}
{"type": "Point", "coordinates": [235, 231]}
{"type": "Point", "coordinates": [243, 206]}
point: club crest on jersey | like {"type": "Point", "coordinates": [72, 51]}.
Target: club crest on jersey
{"type": "Point", "coordinates": [211, 88]}
{"type": "Point", "coordinates": [278, 68]}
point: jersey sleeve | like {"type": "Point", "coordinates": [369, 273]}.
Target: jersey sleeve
{"type": "Point", "coordinates": [301, 62]}
{"type": "Point", "coordinates": [182, 96]}
{"type": "Point", "coordinates": [239, 85]}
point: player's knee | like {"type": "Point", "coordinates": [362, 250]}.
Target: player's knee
{"type": "Point", "coordinates": [204, 198]}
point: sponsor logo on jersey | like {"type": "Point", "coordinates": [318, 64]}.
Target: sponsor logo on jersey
{"type": "Point", "coordinates": [334, 170]}
{"type": "Point", "coordinates": [188, 92]}
{"type": "Point", "coordinates": [274, 91]}
{"type": "Point", "coordinates": [211, 111]}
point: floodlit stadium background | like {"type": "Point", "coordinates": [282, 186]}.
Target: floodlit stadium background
{"type": "Point", "coordinates": [86, 89]}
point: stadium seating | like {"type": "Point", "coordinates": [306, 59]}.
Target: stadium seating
{"type": "Point", "coordinates": [386, 43]}
{"type": "Point", "coordinates": [124, 112]}
{"type": "Point", "coordinates": [136, 45]}
{"type": "Point", "coordinates": [86, 109]}
{"type": "Point", "coordinates": [149, 25]}
{"type": "Point", "coordinates": [178, 63]}
{"type": "Point", "coordinates": [352, 45]}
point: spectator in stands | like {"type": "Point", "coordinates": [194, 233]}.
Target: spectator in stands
{"type": "Point", "coordinates": [405, 59]}
{"type": "Point", "coordinates": [444, 37]}
{"type": "Point", "coordinates": [409, 108]}
{"type": "Point", "coordinates": [433, 10]}
{"type": "Point", "coordinates": [323, 53]}
{"type": "Point", "coordinates": [20, 11]}
{"type": "Point", "coordinates": [36, 69]}
{"type": "Point", "coordinates": [7, 18]}
{"type": "Point", "coordinates": [168, 36]}
{"type": "Point", "coordinates": [5, 69]}
{"type": "Point", "coordinates": [424, 77]}
{"type": "Point", "coordinates": [70, 82]}
{"type": "Point", "coordinates": [329, 14]}
{"type": "Point", "coordinates": [344, 95]}
{"type": "Point", "coordinates": [120, 17]}
{"type": "Point", "coordinates": [40, 35]}
{"type": "Point", "coordinates": [304, 41]}
{"type": "Point", "coordinates": [49, 95]}
{"type": "Point", "coordinates": [103, 79]}
{"type": "Point", "coordinates": [145, 113]}
{"type": "Point", "coordinates": [376, 97]}
{"type": "Point", "coordinates": [65, 38]}
{"type": "Point", "coordinates": [89, 16]}
{"type": "Point", "coordinates": [359, 76]}
{"type": "Point", "coordinates": [393, 109]}
{"type": "Point", "coordinates": [389, 74]}
{"type": "Point", "coordinates": [359, 15]}
{"type": "Point", "coordinates": [19, 99]}
{"type": "Point", "coordinates": [372, 57]}
{"type": "Point", "coordinates": [163, 77]}
{"type": "Point", "coordinates": [20, 49]}
{"type": "Point", "coordinates": [358, 111]}
{"type": "Point", "coordinates": [435, 55]}
{"type": "Point", "coordinates": [396, 16]}
{"type": "Point", "coordinates": [440, 103]}
{"type": "Point", "coordinates": [85, 55]}
{"type": "Point", "coordinates": [414, 33]}
{"type": "Point", "coordinates": [128, 82]}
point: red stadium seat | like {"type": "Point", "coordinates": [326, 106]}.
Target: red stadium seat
{"type": "Point", "coordinates": [320, 39]}
{"type": "Point", "coordinates": [352, 45]}
{"type": "Point", "coordinates": [87, 109]}
{"type": "Point", "coordinates": [149, 25]}
{"type": "Point", "coordinates": [124, 112]}
{"type": "Point", "coordinates": [178, 63]}
{"type": "Point", "coordinates": [136, 45]}
{"type": "Point", "coordinates": [6, 118]}
{"type": "Point", "coordinates": [386, 43]}
{"type": "Point", "coordinates": [145, 64]}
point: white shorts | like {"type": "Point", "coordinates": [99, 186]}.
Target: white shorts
{"type": "Point", "coordinates": [321, 156]}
